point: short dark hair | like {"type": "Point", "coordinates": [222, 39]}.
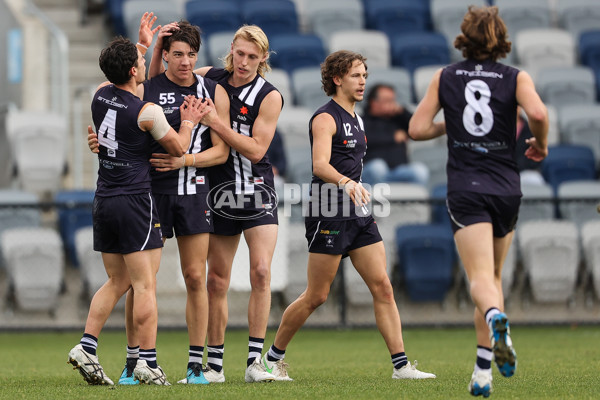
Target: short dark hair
{"type": "Point", "coordinates": [484, 35]}
{"type": "Point", "coordinates": [186, 33]}
{"type": "Point", "coordinates": [338, 64]}
{"type": "Point", "coordinates": [117, 58]}
{"type": "Point", "coordinates": [374, 92]}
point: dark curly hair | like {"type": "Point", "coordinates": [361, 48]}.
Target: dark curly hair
{"type": "Point", "coordinates": [338, 64]}
{"type": "Point", "coordinates": [117, 58]}
{"type": "Point", "coordinates": [484, 35]}
{"type": "Point", "coordinates": [186, 33]}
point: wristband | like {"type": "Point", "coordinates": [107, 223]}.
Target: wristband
{"type": "Point", "coordinates": [183, 161]}
{"type": "Point", "coordinates": [187, 122]}
{"type": "Point", "coordinates": [194, 160]}
{"type": "Point", "coordinates": [143, 47]}
{"type": "Point", "coordinates": [341, 184]}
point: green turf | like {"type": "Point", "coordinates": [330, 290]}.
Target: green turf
{"type": "Point", "coordinates": [554, 363]}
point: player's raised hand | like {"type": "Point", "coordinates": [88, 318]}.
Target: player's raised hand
{"type": "Point", "coordinates": [166, 30]}
{"type": "Point", "coordinates": [535, 152]}
{"type": "Point", "coordinates": [93, 140]}
{"type": "Point", "coordinates": [146, 33]}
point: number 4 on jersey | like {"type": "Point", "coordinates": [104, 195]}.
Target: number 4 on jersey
{"type": "Point", "coordinates": [107, 133]}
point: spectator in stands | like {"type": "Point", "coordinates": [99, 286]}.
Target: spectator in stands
{"type": "Point", "coordinates": [479, 97]}
{"type": "Point", "coordinates": [386, 125]}
{"type": "Point", "coordinates": [338, 145]}
{"type": "Point", "coordinates": [126, 226]}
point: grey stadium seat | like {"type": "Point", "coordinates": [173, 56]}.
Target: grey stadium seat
{"type": "Point", "coordinates": [561, 86]}
{"type": "Point", "coordinates": [590, 238]}
{"type": "Point", "coordinates": [396, 77]}
{"type": "Point", "coordinates": [550, 254]}
{"type": "Point", "coordinates": [537, 203]}
{"type": "Point", "coordinates": [218, 46]}
{"type": "Point", "coordinates": [326, 17]}
{"type": "Point", "coordinates": [293, 126]}
{"type": "Point", "coordinates": [542, 48]}
{"type": "Point", "coordinates": [281, 80]}
{"type": "Point", "coordinates": [93, 274]}
{"type": "Point", "coordinates": [34, 263]}
{"type": "Point", "coordinates": [374, 45]}
{"type": "Point", "coordinates": [18, 217]}
{"type": "Point", "coordinates": [580, 124]}
{"type": "Point", "coordinates": [421, 79]}
{"type": "Point", "coordinates": [579, 212]}
{"type": "Point", "coordinates": [578, 16]}
{"type": "Point", "coordinates": [308, 91]}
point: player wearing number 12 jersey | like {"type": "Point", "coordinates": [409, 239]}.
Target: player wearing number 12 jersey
{"type": "Point", "coordinates": [480, 97]}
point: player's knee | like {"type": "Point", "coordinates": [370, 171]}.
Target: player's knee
{"type": "Point", "coordinates": [383, 290]}
{"type": "Point", "coordinates": [316, 299]}
{"type": "Point", "coordinates": [194, 280]}
{"type": "Point", "coordinates": [260, 276]}
{"type": "Point", "coordinates": [216, 284]}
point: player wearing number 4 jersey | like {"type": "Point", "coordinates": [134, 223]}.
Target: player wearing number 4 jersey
{"type": "Point", "coordinates": [480, 97]}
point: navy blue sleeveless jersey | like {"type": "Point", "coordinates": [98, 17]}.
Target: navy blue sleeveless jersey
{"type": "Point", "coordinates": [348, 147]}
{"type": "Point", "coordinates": [124, 149]}
{"type": "Point", "coordinates": [245, 104]}
{"type": "Point", "coordinates": [480, 106]}
{"type": "Point", "coordinates": [169, 95]}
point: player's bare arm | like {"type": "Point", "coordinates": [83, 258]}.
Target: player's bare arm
{"type": "Point", "coordinates": [253, 148]}
{"type": "Point", "coordinates": [537, 115]}
{"type": "Point", "coordinates": [421, 125]}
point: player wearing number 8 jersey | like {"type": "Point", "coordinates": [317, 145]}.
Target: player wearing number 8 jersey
{"type": "Point", "coordinates": [480, 98]}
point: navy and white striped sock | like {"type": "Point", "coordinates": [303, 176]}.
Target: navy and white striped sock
{"type": "Point", "coordinates": [399, 360]}
{"type": "Point", "coordinates": [484, 359]}
{"type": "Point", "coordinates": [89, 343]}
{"type": "Point", "coordinates": [491, 313]}
{"type": "Point", "coordinates": [149, 355]}
{"type": "Point", "coordinates": [133, 353]}
{"type": "Point", "coordinates": [195, 355]}
{"type": "Point", "coordinates": [275, 354]}
{"type": "Point", "coordinates": [255, 346]}
{"type": "Point", "coordinates": [215, 357]}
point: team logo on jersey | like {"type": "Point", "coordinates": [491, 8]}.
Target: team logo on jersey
{"type": "Point", "coordinates": [114, 98]}
{"type": "Point", "coordinates": [244, 110]}
{"type": "Point", "coordinates": [198, 180]}
{"type": "Point", "coordinates": [350, 144]}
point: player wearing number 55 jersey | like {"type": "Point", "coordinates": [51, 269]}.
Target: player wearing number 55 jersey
{"type": "Point", "coordinates": [480, 98]}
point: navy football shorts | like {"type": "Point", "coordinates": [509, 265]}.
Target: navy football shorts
{"type": "Point", "coordinates": [340, 237]}
{"type": "Point", "coordinates": [126, 224]}
{"type": "Point", "coordinates": [186, 215]}
{"type": "Point", "coordinates": [468, 208]}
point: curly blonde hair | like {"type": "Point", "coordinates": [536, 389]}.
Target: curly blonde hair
{"type": "Point", "coordinates": [484, 35]}
{"type": "Point", "coordinates": [254, 34]}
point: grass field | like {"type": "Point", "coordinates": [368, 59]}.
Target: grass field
{"type": "Point", "coordinates": [554, 363]}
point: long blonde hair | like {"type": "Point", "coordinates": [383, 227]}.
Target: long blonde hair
{"type": "Point", "coordinates": [254, 34]}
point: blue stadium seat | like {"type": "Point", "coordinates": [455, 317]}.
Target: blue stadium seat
{"type": "Point", "coordinates": [292, 51]}
{"type": "Point", "coordinates": [413, 50]}
{"type": "Point", "coordinates": [427, 257]}
{"type": "Point", "coordinates": [214, 17]}
{"type": "Point", "coordinates": [568, 163]}
{"type": "Point", "coordinates": [273, 16]}
{"type": "Point", "coordinates": [397, 16]}
{"type": "Point", "coordinates": [589, 49]}
{"type": "Point", "coordinates": [439, 211]}
{"type": "Point", "coordinates": [74, 212]}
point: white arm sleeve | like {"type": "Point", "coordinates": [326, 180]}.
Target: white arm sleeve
{"type": "Point", "coordinates": [155, 114]}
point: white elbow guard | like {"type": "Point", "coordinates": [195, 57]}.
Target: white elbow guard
{"type": "Point", "coordinates": [160, 126]}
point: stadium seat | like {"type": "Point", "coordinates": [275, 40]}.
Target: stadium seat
{"type": "Point", "coordinates": [561, 86]}
{"type": "Point", "coordinates": [281, 80]}
{"type": "Point", "coordinates": [218, 46]}
{"type": "Point", "coordinates": [213, 16]}
{"type": "Point", "coordinates": [447, 15]}
{"type": "Point", "coordinates": [519, 15]}
{"type": "Point", "coordinates": [18, 209]}
{"type": "Point", "coordinates": [421, 78]}
{"type": "Point", "coordinates": [395, 16]}
{"type": "Point", "coordinates": [537, 203]}
{"type": "Point", "coordinates": [419, 49]}
{"type": "Point", "coordinates": [396, 77]}
{"type": "Point", "coordinates": [580, 125]}
{"type": "Point", "coordinates": [553, 129]}
{"type": "Point", "coordinates": [293, 51]}
{"type": "Point", "coordinates": [544, 48]}
{"type": "Point", "coordinates": [589, 49]}
{"type": "Point", "coordinates": [165, 11]}
{"type": "Point", "coordinates": [297, 260]}
{"type": "Point", "coordinates": [74, 212]}
{"type": "Point", "coordinates": [273, 16]}
{"type": "Point", "coordinates": [427, 257]}
{"type": "Point", "coordinates": [590, 238]}
{"type": "Point", "coordinates": [568, 163]}
{"type": "Point", "coordinates": [40, 147]}
{"type": "Point", "coordinates": [34, 265]}
{"type": "Point", "coordinates": [439, 209]}
{"type": "Point", "coordinates": [374, 45]}
{"type": "Point", "coordinates": [577, 201]}
{"type": "Point", "coordinates": [308, 91]}
{"type": "Point", "coordinates": [550, 254]}
{"type": "Point", "coordinates": [578, 16]}
{"type": "Point", "coordinates": [408, 204]}
{"type": "Point", "coordinates": [326, 17]}
{"type": "Point", "coordinates": [435, 156]}
{"type": "Point", "coordinates": [293, 126]}
{"type": "Point", "coordinates": [91, 266]}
